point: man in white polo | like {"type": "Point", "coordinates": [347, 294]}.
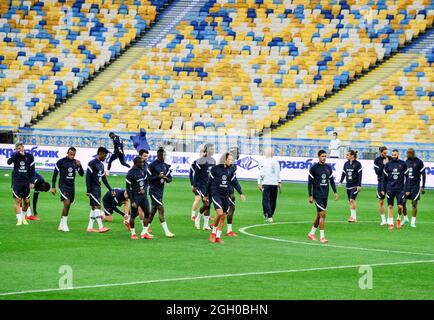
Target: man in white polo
{"type": "Point", "coordinates": [334, 146]}
{"type": "Point", "coordinates": [269, 183]}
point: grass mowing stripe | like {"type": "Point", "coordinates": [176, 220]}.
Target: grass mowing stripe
{"type": "Point", "coordinates": [243, 231]}
{"type": "Point", "coordinates": [230, 275]}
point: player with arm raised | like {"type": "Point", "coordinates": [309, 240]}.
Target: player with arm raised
{"type": "Point", "coordinates": [94, 174]}
{"type": "Point", "coordinates": [395, 185]}
{"type": "Point", "coordinates": [320, 177]}
{"type": "Point", "coordinates": [66, 168]}
{"type": "Point", "coordinates": [159, 174]}
{"type": "Point", "coordinates": [136, 185]}
{"type": "Point", "coordinates": [379, 164]}
{"type": "Point", "coordinates": [353, 173]}
{"type": "Point", "coordinates": [23, 177]}
{"type": "Point", "coordinates": [217, 192]}
{"type": "Point", "coordinates": [200, 181]}
{"type": "Point", "coordinates": [416, 171]}
{"type": "Point", "coordinates": [234, 185]}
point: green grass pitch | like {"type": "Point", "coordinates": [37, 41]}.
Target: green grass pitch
{"type": "Point", "coordinates": [272, 261]}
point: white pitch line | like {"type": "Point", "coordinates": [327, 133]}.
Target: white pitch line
{"type": "Point", "coordinates": [230, 275]}
{"type": "Point", "coordinates": [243, 230]}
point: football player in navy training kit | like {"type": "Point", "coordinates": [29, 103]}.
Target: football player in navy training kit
{"type": "Point", "coordinates": [40, 186]}
{"type": "Point", "coordinates": [234, 185]}
{"type": "Point", "coordinates": [218, 192]}
{"type": "Point", "coordinates": [320, 176]}
{"type": "Point", "coordinates": [159, 174]}
{"type": "Point", "coordinates": [136, 186]}
{"type": "Point", "coordinates": [200, 182]}
{"type": "Point", "coordinates": [353, 173]}
{"type": "Point", "coordinates": [379, 164]}
{"type": "Point", "coordinates": [112, 202]}
{"type": "Point", "coordinates": [195, 192]}
{"type": "Point", "coordinates": [23, 176]}
{"type": "Point", "coordinates": [66, 168]}
{"type": "Point", "coordinates": [395, 185]}
{"type": "Point", "coordinates": [94, 174]}
{"type": "Point", "coordinates": [416, 171]}
{"type": "Point", "coordinates": [118, 151]}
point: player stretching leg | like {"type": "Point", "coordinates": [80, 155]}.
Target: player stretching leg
{"type": "Point", "coordinates": [40, 186]}
{"type": "Point", "coordinates": [379, 164]}
{"type": "Point", "coordinates": [396, 182]}
{"type": "Point", "coordinates": [23, 176]}
{"type": "Point", "coordinates": [111, 204]}
{"type": "Point", "coordinates": [136, 185]}
{"type": "Point", "coordinates": [94, 174]}
{"type": "Point", "coordinates": [416, 169]}
{"type": "Point", "coordinates": [320, 176]}
{"type": "Point", "coordinates": [159, 174]}
{"type": "Point", "coordinates": [353, 173]}
{"type": "Point", "coordinates": [67, 168]}
{"type": "Point", "coordinates": [200, 181]}
{"type": "Point", "coordinates": [234, 185]}
{"type": "Point", "coordinates": [218, 190]}
{"type": "Point", "coordinates": [196, 193]}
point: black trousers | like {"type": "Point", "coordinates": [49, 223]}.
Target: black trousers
{"type": "Point", "coordinates": [269, 197]}
{"type": "Point", "coordinates": [120, 156]}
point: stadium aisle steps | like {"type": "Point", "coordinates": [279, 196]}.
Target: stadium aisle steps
{"type": "Point", "coordinates": [176, 11]}
{"type": "Point", "coordinates": [394, 64]}
{"type": "Point", "coordinates": [422, 44]}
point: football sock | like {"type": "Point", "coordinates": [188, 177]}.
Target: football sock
{"type": "Point", "coordinates": [353, 213]}
{"type": "Point", "coordinates": [214, 230]}
{"type": "Point", "coordinates": [413, 220]}
{"type": "Point", "coordinates": [29, 212]}
{"type": "Point", "coordinates": [91, 220]}
{"type": "Point", "coordinates": [229, 227]}
{"type": "Point", "coordinates": [145, 230]}
{"type": "Point", "coordinates": [383, 218]}
{"type": "Point", "coordinates": [193, 213]}
{"type": "Point", "coordinates": [321, 232]}
{"type": "Point", "coordinates": [206, 221]}
{"type": "Point", "coordinates": [219, 234]}
{"type": "Point", "coordinates": [64, 221]}
{"type": "Point", "coordinates": [19, 217]}
{"type": "Point", "coordinates": [313, 230]}
{"type": "Point", "coordinates": [133, 231]}
{"type": "Point", "coordinates": [165, 227]}
{"type": "Point", "coordinates": [197, 221]}
{"type": "Point", "coordinates": [98, 218]}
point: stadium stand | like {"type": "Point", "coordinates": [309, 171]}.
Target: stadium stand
{"type": "Point", "coordinates": [240, 66]}
{"type": "Point", "coordinates": [49, 48]}
{"type": "Point", "coordinates": [400, 108]}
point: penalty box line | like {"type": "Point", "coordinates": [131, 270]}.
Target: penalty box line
{"type": "Point", "coordinates": [243, 231]}
{"type": "Point", "coordinates": [231, 275]}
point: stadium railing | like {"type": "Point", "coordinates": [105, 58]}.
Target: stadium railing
{"type": "Point", "coordinates": [191, 143]}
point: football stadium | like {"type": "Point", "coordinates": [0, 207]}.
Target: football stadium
{"type": "Point", "coordinates": [217, 150]}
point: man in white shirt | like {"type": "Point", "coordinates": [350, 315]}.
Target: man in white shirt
{"type": "Point", "coordinates": [334, 146]}
{"type": "Point", "coordinates": [268, 183]}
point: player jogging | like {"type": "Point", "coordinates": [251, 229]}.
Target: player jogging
{"type": "Point", "coordinates": [395, 185]}
{"type": "Point", "coordinates": [200, 182]}
{"type": "Point", "coordinates": [217, 192]}
{"type": "Point", "coordinates": [195, 192]}
{"type": "Point", "coordinates": [23, 176]}
{"type": "Point", "coordinates": [94, 174]}
{"type": "Point", "coordinates": [136, 185]}
{"type": "Point", "coordinates": [159, 174]}
{"type": "Point", "coordinates": [416, 170]}
{"type": "Point", "coordinates": [379, 164]}
{"type": "Point", "coordinates": [66, 168]}
{"type": "Point", "coordinates": [320, 176]}
{"type": "Point", "coordinates": [234, 185]}
{"type": "Point", "coordinates": [118, 151]}
{"type": "Point", "coordinates": [112, 202]}
{"type": "Point", "coordinates": [353, 173]}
